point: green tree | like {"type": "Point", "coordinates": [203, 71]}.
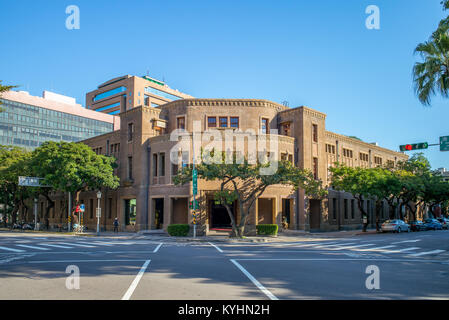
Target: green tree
{"type": "Point", "coordinates": [244, 183]}
{"type": "Point", "coordinates": [4, 89]}
{"type": "Point", "coordinates": [72, 167]}
{"type": "Point", "coordinates": [14, 162]}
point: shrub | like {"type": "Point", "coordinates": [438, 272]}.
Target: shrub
{"type": "Point", "coordinates": [178, 230]}
{"type": "Point", "coordinates": [267, 229]}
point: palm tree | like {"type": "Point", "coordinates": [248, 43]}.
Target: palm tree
{"type": "Point", "coordinates": [4, 89]}
{"type": "Point", "coordinates": [433, 74]}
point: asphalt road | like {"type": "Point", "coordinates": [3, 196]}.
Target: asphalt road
{"type": "Point", "coordinates": [407, 266]}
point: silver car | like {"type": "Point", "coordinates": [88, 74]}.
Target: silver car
{"type": "Point", "coordinates": [395, 226]}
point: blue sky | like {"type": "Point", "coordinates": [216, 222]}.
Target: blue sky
{"type": "Point", "coordinates": [314, 53]}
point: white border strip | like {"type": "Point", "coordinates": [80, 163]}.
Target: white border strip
{"type": "Point", "coordinates": [158, 247]}
{"type": "Point", "coordinates": [254, 280]}
{"type": "Point", "coordinates": [81, 261]}
{"type": "Point", "coordinates": [133, 286]}
{"type": "Point", "coordinates": [213, 245]}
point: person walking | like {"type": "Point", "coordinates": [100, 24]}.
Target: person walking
{"type": "Point", "coordinates": [116, 225]}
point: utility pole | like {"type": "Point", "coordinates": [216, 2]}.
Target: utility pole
{"type": "Point", "coordinates": [69, 213]}
{"type": "Point", "coordinates": [35, 214]}
{"type": "Point", "coordinates": [194, 187]}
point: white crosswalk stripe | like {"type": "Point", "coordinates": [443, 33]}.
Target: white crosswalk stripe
{"type": "Point", "coordinates": [426, 253]}
{"type": "Point", "coordinates": [56, 246]}
{"type": "Point", "coordinates": [11, 249]}
{"type": "Point", "coordinates": [402, 250]}
{"type": "Point", "coordinates": [352, 247]}
{"type": "Point", "coordinates": [77, 245]}
{"type": "Point", "coordinates": [376, 248]}
{"type": "Point", "coordinates": [32, 247]}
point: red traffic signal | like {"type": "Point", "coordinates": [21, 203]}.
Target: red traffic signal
{"type": "Point", "coordinates": [408, 147]}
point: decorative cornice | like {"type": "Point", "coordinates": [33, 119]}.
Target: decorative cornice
{"type": "Point", "coordinates": [306, 110]}
{"type": "Point", "coordinates": [225, 103]}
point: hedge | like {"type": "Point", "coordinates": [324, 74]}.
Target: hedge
{"type": "Point", "coordinates": [267, 229]}
{"type": "Point", "coordinates": [178, 230]}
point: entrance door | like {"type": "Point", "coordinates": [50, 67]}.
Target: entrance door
{"type": "Point", "coordinates": [286, 210]}
{"type": "Point", "coordinates": [219, 216]}
{"type": "Point", "coordinates": [315, 214]}
{"type": "Point", "coordinates": [158, 205]}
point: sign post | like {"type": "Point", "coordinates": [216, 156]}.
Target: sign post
{"type": "Point", "coordinates": [444, 143]}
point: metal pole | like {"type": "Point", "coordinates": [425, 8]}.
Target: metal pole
{"type": "Point", "coordinates": [69, 209]}
{"type": "Point", "coordinates": [35, 214]}
{"type": "Point", "coordinates": [98, 217]}
{"type": "Point", "coordinates": [194, 197]}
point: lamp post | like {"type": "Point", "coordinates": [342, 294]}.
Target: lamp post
{"type": "Point", "coordinates": [98, 212]}
{"type": "Point", "coordinates": [35, 214]}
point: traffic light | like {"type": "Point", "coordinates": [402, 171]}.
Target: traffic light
{"type": "Point", "coordinates": [415, 146]}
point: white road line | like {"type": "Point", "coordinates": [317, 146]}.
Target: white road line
{"type": "Point", "coordinates": [402, 250]}
{"type": "Point", "coordinates": [426, 253]}
{"type": "Point", "coordinates": [335, 245]}
{"type": "Point", "coordinates": [77, 245]}
{"type": "Point", "coordinates": [56, 246]}
{"type": "Point", "coordinates": [31, 247]}
{"type": "Point", "coordinates": [157, 248]}
{"type": "Point", "coordinates": [136, 281]}
{"type": "Point", "coordinates": [406, 241]}
{"type": "Point", "coordinates": [254, 281]}
{"type": "Point", "coordinates": [344, 259]}
{"type": "Point", "coordinates": [351, 247]}
{"type": "Point", "coordinates": [11, 249]}
{"type": "Point", "coordinates": [376, 248]}
{"type": "Point", "coordinates": [103, 244]}
{"type": "Point", "coordinates": [81, 261]}
{"type": "Point", "coordinates": [213, 245]}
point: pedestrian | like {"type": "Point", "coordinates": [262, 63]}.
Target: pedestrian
{"type": "Point", "coordinates": [47, 223]}
{"type": "Point", "coordinates": [116, 225]}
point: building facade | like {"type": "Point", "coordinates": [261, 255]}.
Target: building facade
{"type": "Point", "coordinates": [124, 93]}
{"type": "Point", "coordinates": [28, 121]}
{"type": "Point", "coordinates": [148, 199]}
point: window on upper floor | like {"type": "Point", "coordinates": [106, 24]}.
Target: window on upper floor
{"type": "Point", "coordinates": [211, 122]}
{"type": "Point", "coordinates": [234, 122]}
{"type": "Point", "coordinates": [130, 131]}
{"type": "Point", "coordinates": [377, 160]}
{"type": "Point", "coordinates": [315, 168]}
{"type": "Point", "coordinates": [285, 129]}
{"type": "Point", "coordinates": [330, 148]}
{"type": "Point", "coordinates": [223, 122]}
{"type": "Point", "coordinates": [264, 126]}
{"type": "Point", "coordinates": [162, 164]}
{"type": "Point", "coordinates": [347, 153]}
{"type": "Point", "coordinates": [364, 157]}
{"type": "Point", "coordinates": [315, 132]}
{"type": "Point", "coordinates": [181, 123]}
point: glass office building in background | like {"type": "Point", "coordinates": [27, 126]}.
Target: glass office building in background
{"type": "Point", "coordinates": [28, 121]}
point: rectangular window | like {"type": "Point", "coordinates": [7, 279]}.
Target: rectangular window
{"type": "Point", "coordinates": [315, 132]}
{"type": "Point", "coordinates": [347, 153]}
{"type": "Point", "coordinates": [154, 165]}
{"type": "Point", "coordinates": [264, 126]}
{"type": "Point", "coordinates": [147, 100]}
{"type": "Point", "coordinates": [91, 208]}
{"type": "Point", "coordinates": [130, 131]}
{"type": "Point", "coordinates": [345, 208]}
{"type": "Point", "coordinates": [162, 164]}
{"type": "Point", "coordinates": [234, 122]}
{"type": "Point", "coordinates": [378, 160]}
{"type": "Point", "coordinates": [330, 148]}
{"type": "Point", "coordinates": [109, 208]}
{"type": "Point", "coordinates": [223, 122]}
{"type": "Point", "coordinates": [364, 157]}
{"type": "Point", "coordinates": [315, 168]}
{"type": "Point", "coordinates": [174, 169]}
{"type": "Point", "coordinates": [352, 209]}
{"type": "Point", "coordinates": [212, 122]}
{"type": "Point", "coordinates": [130, 168]}
{"type": "Point", "coordinates": [181, 123]}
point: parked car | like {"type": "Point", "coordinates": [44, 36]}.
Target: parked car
{"type": "Point", "coordinates": [444, 222]}
{"type": "Point", "coordinates": [432, 224]}
{"type": "Point", "coordinates": [395, 226]}
{"type": "Point", "coordinates": [417, 225]}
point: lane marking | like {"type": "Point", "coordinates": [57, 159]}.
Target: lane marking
{"type": "Point", "coordinates": [81, 261]}
{"type": "Point", "coordinates": [358, 246]}
{"type": "Point", "coordinates": [406, 241]}
{"type": "Point", "coordinates": [254, 281]}
{"type": "Point", "coordinates": [376, 248]}
{"type": "Point", "coordinates": [402, 250]}
{"type": "Point", "coordinates": [345, 259]}
{"type": "Point", "coordinates": [333, 245]}
{"type": "Point", "coordinates": [136, 281]}
{"type": "Point", "coordinates": [56, 246]}
{"type": "Point", "coordinates": [77, 245]}
{"type": "Point", "coordinates": [11, 249]}
{"type": "Point", "coordinates": [213, 245]}
{"type": "Point", "coordinates": [426, 253]}
{"type": "Point", "coordinates": [32, 247]}
{"type": "Point", "coordinates": [157, 248]}
{"type": "Point", "coordinates": [102, 244]}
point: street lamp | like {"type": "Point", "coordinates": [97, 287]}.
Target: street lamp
{"type": "Point", "coordinates": [98, 212]}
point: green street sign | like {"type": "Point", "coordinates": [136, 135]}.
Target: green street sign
{"type": "Point", "coordinates": [444, 143]}
{"type": "Point", "coordinates": [194, 174]}
{"type": "Point", "coordinates": [195, 187]}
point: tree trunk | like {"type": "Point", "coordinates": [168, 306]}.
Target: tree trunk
{"type": "Point", "coordinates": [378, 209]}
{"type": "Point", "coordinates": [362, 210]}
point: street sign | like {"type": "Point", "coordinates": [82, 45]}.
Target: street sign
{"type": "Point", "coordinates": [30, 182]}
{"type": "Point", "coordinates": [98, 212]}
{"type": "Point", "coordinates": [82, 208]}
{"type": "Point", "coordinates": [444, 143]}
{"type": "Point", "coordinates": [195, 182]}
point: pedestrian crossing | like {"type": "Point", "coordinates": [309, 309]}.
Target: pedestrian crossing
{"type": "Point", "coordinates": [406, 247]}
{"type": "Point", "coordinates": [28, 246]}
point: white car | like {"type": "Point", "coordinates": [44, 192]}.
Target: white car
{"type": "Point", "coordinates": [395, 226]}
